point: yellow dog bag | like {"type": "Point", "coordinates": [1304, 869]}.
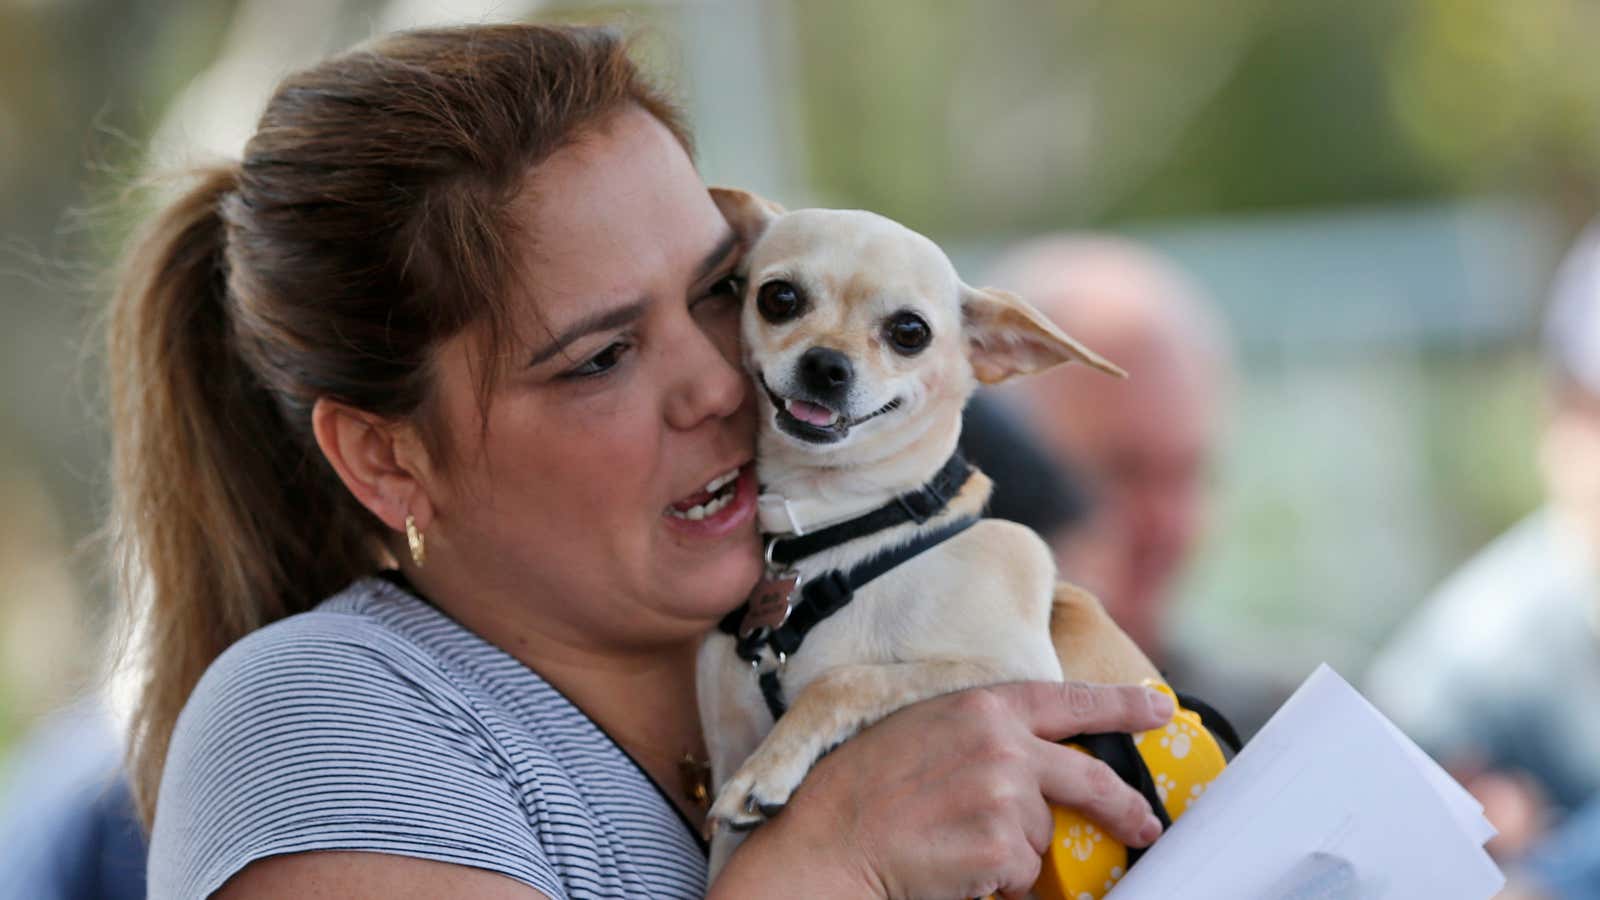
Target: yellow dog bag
{"type": "Point", "coordinates": [1171, 766]}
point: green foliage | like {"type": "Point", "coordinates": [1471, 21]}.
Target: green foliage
{"type": "Point", "coordinates": [964, 117]}
{"type": "Point", "coordinates": [1497, 94]}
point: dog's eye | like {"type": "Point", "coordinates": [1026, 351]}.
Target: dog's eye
{"type": "Point", "coordinates": [779, 301]}
{"type": "Point", "coordinates": [907, 332]}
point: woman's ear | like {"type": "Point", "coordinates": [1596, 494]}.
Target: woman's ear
{"type": "Point", "coordinates": [1007, 337]}
{"type": "Point", "coordinates": [380, 461]}
{"type": "Point", "coordinates": [748, 213]}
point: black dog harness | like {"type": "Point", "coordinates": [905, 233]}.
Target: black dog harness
{"type": "Point", "coordinates": [771, 625]}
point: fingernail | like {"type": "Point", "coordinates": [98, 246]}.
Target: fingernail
{"type": "Point", "coordinates": [1150, 830]}
{"type": "Point", "coordinates": [1161, 705]}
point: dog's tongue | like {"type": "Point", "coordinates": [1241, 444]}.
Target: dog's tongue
{"type": "Point", "coordinates": [810, 413]}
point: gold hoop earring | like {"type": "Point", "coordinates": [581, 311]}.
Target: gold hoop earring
{"type": "Point", "coordinates": [419, 550]}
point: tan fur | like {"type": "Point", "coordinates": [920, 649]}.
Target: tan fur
{"type": "Point", "coordinates": [981, 607]}
{"type": "Point", "coordinates": [1090, 645]}
{"type": "Point", "coordinates": [1035, 342]}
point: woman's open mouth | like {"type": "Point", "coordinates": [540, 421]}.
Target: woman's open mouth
{"type": "Point", "coordinates": [815, 423]}
{"type": "Point", "coordinates": [709, 501]}
{"type": "Point", "coordinates": [722, 505]}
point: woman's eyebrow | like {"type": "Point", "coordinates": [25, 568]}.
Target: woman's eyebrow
{"type": "Point", "coordinates": [630, 312]}
{"type": "Point", "coordinates": [615, 317]}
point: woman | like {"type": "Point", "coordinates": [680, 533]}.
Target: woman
{"type": "Point", "coordinates": [465, 311]}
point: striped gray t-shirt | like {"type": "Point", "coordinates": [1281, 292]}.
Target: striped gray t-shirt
{"type": "Point", "coordinates": [377, 723]}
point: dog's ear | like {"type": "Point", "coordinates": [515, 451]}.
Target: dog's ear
{"type": "Point", "coordinates": [1007, 337]}
{"type": "Point", "coordinates": [748, 213]}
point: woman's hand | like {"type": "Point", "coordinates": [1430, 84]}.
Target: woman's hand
{"type": "Point", "coordinates": [950, 797]}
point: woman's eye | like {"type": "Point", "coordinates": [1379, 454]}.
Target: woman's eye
{"type": "Point", "coordinates": [599, 363]}
{"type": "Point", "coordinates": [723, 295]}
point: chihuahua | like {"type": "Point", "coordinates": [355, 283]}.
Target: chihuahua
{"type": "Point", "coordinates": [884, 585]}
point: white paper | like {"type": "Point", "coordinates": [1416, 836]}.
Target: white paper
{"type": "Point", "coordinates": [1328, 801]}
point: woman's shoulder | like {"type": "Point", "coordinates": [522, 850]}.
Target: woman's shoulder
{"type": "Point", "coordinates": [342, 645]}
{"type": "Point", "coordinates": [367, 609]}
{"type": "Point", "coordinates": [340, 728]}
{"type": "Point", "coordinates": [374, 637]}
{"type": "Point", "coordinates": [369, 661]}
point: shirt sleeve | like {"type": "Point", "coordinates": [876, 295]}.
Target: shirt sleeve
{"type": "Point", "coordinates": [327, 733]}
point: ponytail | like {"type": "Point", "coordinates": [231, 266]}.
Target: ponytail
{"type": "Point", "coordinates": [222, 521]}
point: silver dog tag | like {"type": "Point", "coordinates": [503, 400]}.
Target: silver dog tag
{"type": "Point", "coordinates": [770, 602]}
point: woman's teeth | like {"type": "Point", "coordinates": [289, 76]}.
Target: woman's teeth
{"type": "Point", "coordinates": [717, 483]}
{"type": "Point", "coordinates": [696, 513]}
{"type": "Point", "coordinates": [724, 496]}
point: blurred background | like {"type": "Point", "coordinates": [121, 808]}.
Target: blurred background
{"type": "Point", "coordinates": [1375, 193]}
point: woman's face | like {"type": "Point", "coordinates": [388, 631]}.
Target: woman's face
{"type": "Point", "coordinates": [586, 497]}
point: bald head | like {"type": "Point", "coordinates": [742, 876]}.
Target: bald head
{"type": "Point", "coordinates": [1115, 292]}
{"type": "Point", "coordinates": [1144, 443]}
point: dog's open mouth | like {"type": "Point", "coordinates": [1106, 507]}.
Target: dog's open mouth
{"type": "Point", "coordinates": [815, 423]}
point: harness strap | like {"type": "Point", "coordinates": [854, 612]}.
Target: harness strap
{"type": "Point", "coordinates": [1214, 721]}
{"type": "Point", "coordinates": [917, 506]}
{"type": "Point", "coordinates": [772, 693]}
{"type": "Point", "coordinates": [1117, 750]}
{"type": "Point", "coordinates": [820, 598]}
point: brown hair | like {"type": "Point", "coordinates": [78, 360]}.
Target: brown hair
{"type": "Point", "coordinates": [366, 223]}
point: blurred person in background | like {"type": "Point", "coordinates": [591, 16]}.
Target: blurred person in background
{"type": "Point", "coordinates": [68, 827]}
{"type": "Point", "coordinates": [1143, 445]}
{"type": "Point", "coordinates": [1498, 674]}
{"type": "Point", "coordinates": [1562, 865]}
{"type": "Point", "coordinates": [1030, 486]}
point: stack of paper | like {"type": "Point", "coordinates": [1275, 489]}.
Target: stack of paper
{"type": "Point", "coordinates": [1329, 801]}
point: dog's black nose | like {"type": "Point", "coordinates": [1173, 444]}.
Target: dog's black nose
{"type": "Point", "coordinates": [825, 372]}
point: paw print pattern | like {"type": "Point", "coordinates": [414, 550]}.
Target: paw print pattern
{"type": "Point", "coordinates": [1194, 794]}
{"type": "Point", "coordinates": [1116, 875]}
{"type": "Point", "coordinates": [1081, 841]}
{"type": "Point", "coordinates": [1178, 737]}
{"type": "Point", "coordinates": [1164, 786]}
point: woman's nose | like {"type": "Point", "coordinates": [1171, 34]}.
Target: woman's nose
{"type": "Point", "coordinates": [707, 386]}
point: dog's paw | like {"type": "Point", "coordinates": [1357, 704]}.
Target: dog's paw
{"type": "Point", "coordinates": [762, 787]}
{"type": "Point", "coordinates": [733, 810]}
